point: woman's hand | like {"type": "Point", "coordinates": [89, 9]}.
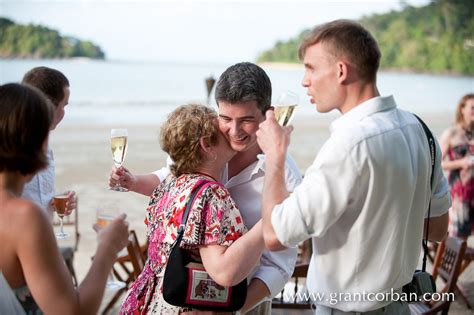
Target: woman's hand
{"type": "Point", "coordinates": [114, 237]}
{"type": "Point", "coordinates": [123, 177]}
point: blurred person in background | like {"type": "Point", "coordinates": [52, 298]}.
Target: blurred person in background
{"type": "Point", "coordinates": [457, 148]}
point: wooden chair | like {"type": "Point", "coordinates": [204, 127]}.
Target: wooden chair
{"type": "Point", "coordinates": [298, 298]}
{"type": "Point", "coordinates": [447, 264]}
{"type": "Point", "coordinates": [468, 258]}
{"type": "Point", "coordinates": [130, 264]}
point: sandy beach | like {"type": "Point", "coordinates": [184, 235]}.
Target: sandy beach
{"type": "Point", "coordinates": [83, 161]}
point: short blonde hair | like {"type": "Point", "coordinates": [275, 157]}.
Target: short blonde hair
{"type": "Point", "coordinates": [461, 104]}
{"type": "Point", "coordinates": [346, 38]}
{"type": "Point", "coordinates": [181, 133]}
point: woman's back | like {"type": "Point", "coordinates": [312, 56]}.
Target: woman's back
{"type": "Point", "coordinates": [15, 214]}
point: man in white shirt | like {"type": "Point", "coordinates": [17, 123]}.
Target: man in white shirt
{"type": "Point", "coordinates": [364, 199]}
{"type": "Point", "coordinates": [41, 188]}
{"type": "Point", "coordinates": [243, 94]}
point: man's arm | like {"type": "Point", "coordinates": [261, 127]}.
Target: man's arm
{"type": "Point", "coordinates": [142, 184]}
{"type": "Point", "coordinates": [273, 140]}
{"type": "Point", "coordinates": [440, 198]}
{"type": "Point", "coordinates": [274, 192]}
{"type": "Point", "coordinates": [438, 227]}
{"type": "Point", "coordinates": [256, 291]}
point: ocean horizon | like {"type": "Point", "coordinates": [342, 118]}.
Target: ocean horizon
{"type": "Point", "coordinates": [115, 91]}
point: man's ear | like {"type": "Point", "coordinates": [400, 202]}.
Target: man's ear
{"type": "Point", "coordinates": [343, 71]}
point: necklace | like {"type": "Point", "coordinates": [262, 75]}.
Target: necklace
{"type": "Point", "coordinates": [8, 191]}
{"type": "Point", "coordinates": [468, 133]}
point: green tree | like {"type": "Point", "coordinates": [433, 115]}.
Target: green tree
{"type": "Point", "coordinates": [438, 37]}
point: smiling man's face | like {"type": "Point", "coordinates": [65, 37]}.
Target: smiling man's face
{"type": "Point", "coordinates": [239, 123]}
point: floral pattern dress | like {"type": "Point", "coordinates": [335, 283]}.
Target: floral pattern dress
{"type": "Point", "coordinates": [461, 214]}
{"type": "Point", "coordinates": [213, 219]}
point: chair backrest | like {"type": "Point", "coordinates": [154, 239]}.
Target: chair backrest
{"type": "Point", "coordinates": [136, 254]}
{"type": "Point", "coordinates": [294, 295]}
{"type": "Point", "coordinates": [448, 261]}
{"type": "Point", "coordinates": [128, 267]}
{"type": "Point", "coordinates": [447, 264]}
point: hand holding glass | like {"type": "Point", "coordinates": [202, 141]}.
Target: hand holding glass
{"type": "Point", "coordinates": [59, 204]}
{"type": "Point", "coordinates": [284, 110]}
{"type": "Point", "coordinates": [118, 144]}
{"type": "Point", "coordinates": [104, 218]}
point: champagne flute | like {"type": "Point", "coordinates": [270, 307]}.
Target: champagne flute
{"type": "Point", "coordinates": [59, 204]}
{"type": "Point", "coordinates": [118, 144]}
{"type": "Point", "coordinates": [285, 107]}
{"type": "Point", "coordinates": [284, 110]}
{"type": "Point", "coordinates": [103, 219]}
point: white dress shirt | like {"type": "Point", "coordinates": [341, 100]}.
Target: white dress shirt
{"type": "Point", "coordinates": [246, 188]}
{"type": "Point", "coordinates": [40, 189]}
{"type": "Point", "coordinates": [363, 201]}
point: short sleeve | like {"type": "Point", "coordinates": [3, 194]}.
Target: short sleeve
{"type": "Point", "coordinates": [213, 219]}
{"type": "Point", "coordinates": [163, 172]}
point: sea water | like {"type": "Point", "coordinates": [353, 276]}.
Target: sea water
{"type": "Point", "coordinates": [145, 92]}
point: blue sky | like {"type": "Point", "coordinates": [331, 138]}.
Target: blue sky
{"type": "Point", "coordinates": [188, 30]}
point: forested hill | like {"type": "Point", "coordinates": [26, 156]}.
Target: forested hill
{"type": "Point", "coordinates": [36, 41]}
{"type": "Point", "coordinates": [438, 38]}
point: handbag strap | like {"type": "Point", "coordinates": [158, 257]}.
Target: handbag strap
{"type": "Point", "coordinates": [431, 142]}
{"type": "Point", "coordinates": [189, 203]}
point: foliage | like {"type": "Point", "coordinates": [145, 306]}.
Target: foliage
{"type": "Point", "coordinates": [36, 41]}
{"type": "Point", "coordinates": [438, 37]}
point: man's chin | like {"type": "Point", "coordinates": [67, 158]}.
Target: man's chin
{"type": "Point", "coordinates": [239, 148]}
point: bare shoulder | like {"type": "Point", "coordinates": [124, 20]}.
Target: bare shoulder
{"type": "Point", "coordinates": [23, 214]}
{"type": "Point", "coordinates": [450, 132]}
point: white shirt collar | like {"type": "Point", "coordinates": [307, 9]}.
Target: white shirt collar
{"type": "Point", "coordinates": [367, 108]}
{"type": "Point", "coordinates": [243, 176]}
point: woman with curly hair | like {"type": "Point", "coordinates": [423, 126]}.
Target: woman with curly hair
{"type": "Point", "coordinates": [214, 231]}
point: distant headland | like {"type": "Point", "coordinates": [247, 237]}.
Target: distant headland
{"type": "Point", "coordinates": [40, 42]}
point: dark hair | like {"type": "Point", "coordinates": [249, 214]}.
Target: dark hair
{"type": "Point", "coordinates": [345, 38]}
{"type": "Point", "coordinates": [181, 133]}
{"type": "Point", "coordinates": [461, 104]}
{"type": "Point", "coordinates": [245, 82]}
{"type": "Point", "coordinates": [25, 119]}
{"type": "Point", "coordinates": [49, 81]}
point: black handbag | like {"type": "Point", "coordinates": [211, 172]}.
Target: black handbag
{"type": "Point", "coordinates": [187, 284]}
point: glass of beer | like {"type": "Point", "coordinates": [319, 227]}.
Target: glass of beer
{"type": "Point", "coordinates": [285, 107]}
{"type": "Point", "coordinates": [59, 204]}
{"type": "Point", "coordinates": [104, 216]}
{"type": "Point", "coordinates": [118, 144]}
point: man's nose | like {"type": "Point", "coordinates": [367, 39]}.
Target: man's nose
{"type": "Point", "coordinates": [305, 81]}
{"type": "Point", "coordinates": [234, 128]}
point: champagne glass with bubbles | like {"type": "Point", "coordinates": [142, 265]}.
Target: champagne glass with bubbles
{"type": "Point", "coordinates": [284, 110]}
{"type": "Point", "coordinates": [285, 107]}
{"type": "Point", "coordinates": [118, 144]}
